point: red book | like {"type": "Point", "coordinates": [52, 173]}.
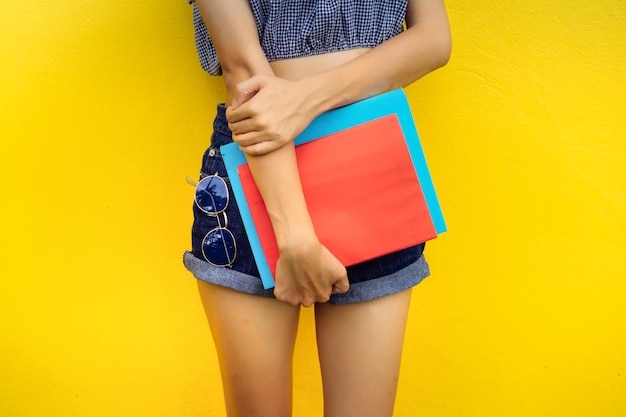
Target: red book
{"type": "Point", "coordinates": [361, 186]}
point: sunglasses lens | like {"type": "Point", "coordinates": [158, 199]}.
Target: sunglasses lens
{"type": "Point", "coordinates": [219, 248]}
{"type": "Point", "coordinates": [212, 194]}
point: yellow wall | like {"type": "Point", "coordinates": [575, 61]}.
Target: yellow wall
{"type": "Point", "coordinates": [104, 111]}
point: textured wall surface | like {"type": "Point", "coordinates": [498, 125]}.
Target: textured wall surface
{"type": "Point", "coordinates": [104, 111]}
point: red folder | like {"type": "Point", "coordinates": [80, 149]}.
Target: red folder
{"type": "Point", "coordinates": [362, 193]}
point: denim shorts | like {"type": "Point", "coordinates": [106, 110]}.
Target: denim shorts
{"type": "Point", "coordinates": [372, 279]}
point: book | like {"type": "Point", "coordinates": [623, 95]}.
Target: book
{"type": "Point", "coordinates": [365, 180]}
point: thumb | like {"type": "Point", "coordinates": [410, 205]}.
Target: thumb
{"type": "Point", "coordinates": [245, 90]}
{"type": "Point", "coordinates": [341, 286]}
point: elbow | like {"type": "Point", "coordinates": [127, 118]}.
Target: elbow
{"type": "Point", "coordinates": [443, 50]}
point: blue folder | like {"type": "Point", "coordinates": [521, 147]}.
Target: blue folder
{"type": "Point", "coordinates": [393, 102]}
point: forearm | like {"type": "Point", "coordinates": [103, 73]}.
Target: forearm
{"type": "Point", "coordinates": [234, 34]}
{"type": "Point", "coordinates": [276, 176]}
{"type": "Point", "coordinates": [422, 48]}
{"type": "Point", "coordinates": [306, 272]}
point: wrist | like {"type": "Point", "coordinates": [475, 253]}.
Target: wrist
{"type": "Point", "coordinates": [332, 89]}
{"type": "Point", "coordinates": [293, 229]}
{"type": "Point", "coordinates": [318, 95]}
{"type": "Point", "coordinates": [298, 246]}
{"type": "Point", "coordinates": [339, 87]}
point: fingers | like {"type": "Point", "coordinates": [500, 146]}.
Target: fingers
{"type": "Point", "coordinates": [247, 89]}
{"type": "Point", "coordinates": [253, 135]}
{"type": "Point", "coordinates": [298, 296]}
{"type": "Point", "coordinates": [261, 148]}
{"type": "Point", "coordinates": [243, 107]}
{"type": "Point", "coordinates": [264, 110]}
{"type": "Point", "coordinates": [341, 287]}
{"type": "Point", "coordinates": [295, 298]}
{"type": "Point", "coordinates": [257, 143]}
{"type": "Point", "coordinates": [236, 115]}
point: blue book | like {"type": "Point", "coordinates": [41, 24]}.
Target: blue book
{"type": "Point", "coordinates": [365, 179]}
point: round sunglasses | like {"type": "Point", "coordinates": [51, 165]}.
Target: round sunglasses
{"type": "Point", "coordinates": [218, 246]}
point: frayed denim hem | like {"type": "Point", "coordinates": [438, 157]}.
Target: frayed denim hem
{"type": "Point", "coordinates": [398, 281]}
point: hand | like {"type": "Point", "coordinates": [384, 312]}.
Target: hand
{"type": "Point", "coordinates": [307, 274]}
{"type": "Point", "coordinates": [267, 112]}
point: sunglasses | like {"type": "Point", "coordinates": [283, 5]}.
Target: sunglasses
{"type": "Point", "coordinates": [218, 246]}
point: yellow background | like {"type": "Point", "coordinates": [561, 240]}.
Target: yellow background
{"type": "Point", "coordinates": [104, 111]}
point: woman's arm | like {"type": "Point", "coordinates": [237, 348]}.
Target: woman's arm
{"type": "Point", "coordinates": [234, 34]}
{"type": "Point", "coordinates": [422, 48]}
{"type": "Point", "coordinates": [306, 271]}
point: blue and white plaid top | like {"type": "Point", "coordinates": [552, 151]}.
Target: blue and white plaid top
{"type": "Point", "coordinates": [296, 28]}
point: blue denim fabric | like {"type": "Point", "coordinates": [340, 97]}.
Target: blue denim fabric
{"type": "Point", "coordinates": [212, 163]}
{"type": "Point", "coordinates": [368, 280]}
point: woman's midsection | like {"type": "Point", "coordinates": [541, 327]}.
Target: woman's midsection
{"type": "Point", "coordinates": [297, 68]}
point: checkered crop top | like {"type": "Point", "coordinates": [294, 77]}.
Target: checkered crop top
{"type": "Point", "coordinates": [296, 28]}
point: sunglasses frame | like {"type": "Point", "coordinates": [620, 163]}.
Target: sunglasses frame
{"type": "Point", "coordinates": [211, 178]}
{"type": "Point", "coordinates": [220, 228]}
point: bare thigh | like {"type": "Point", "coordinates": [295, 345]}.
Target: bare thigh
{"type": "Point", "coordinates": [254, 338]}
{"type": "Point", "coordinates": [360, 346]}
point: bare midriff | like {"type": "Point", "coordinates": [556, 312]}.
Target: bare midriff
{"type": "Point", "coordinates": [297, 68]}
